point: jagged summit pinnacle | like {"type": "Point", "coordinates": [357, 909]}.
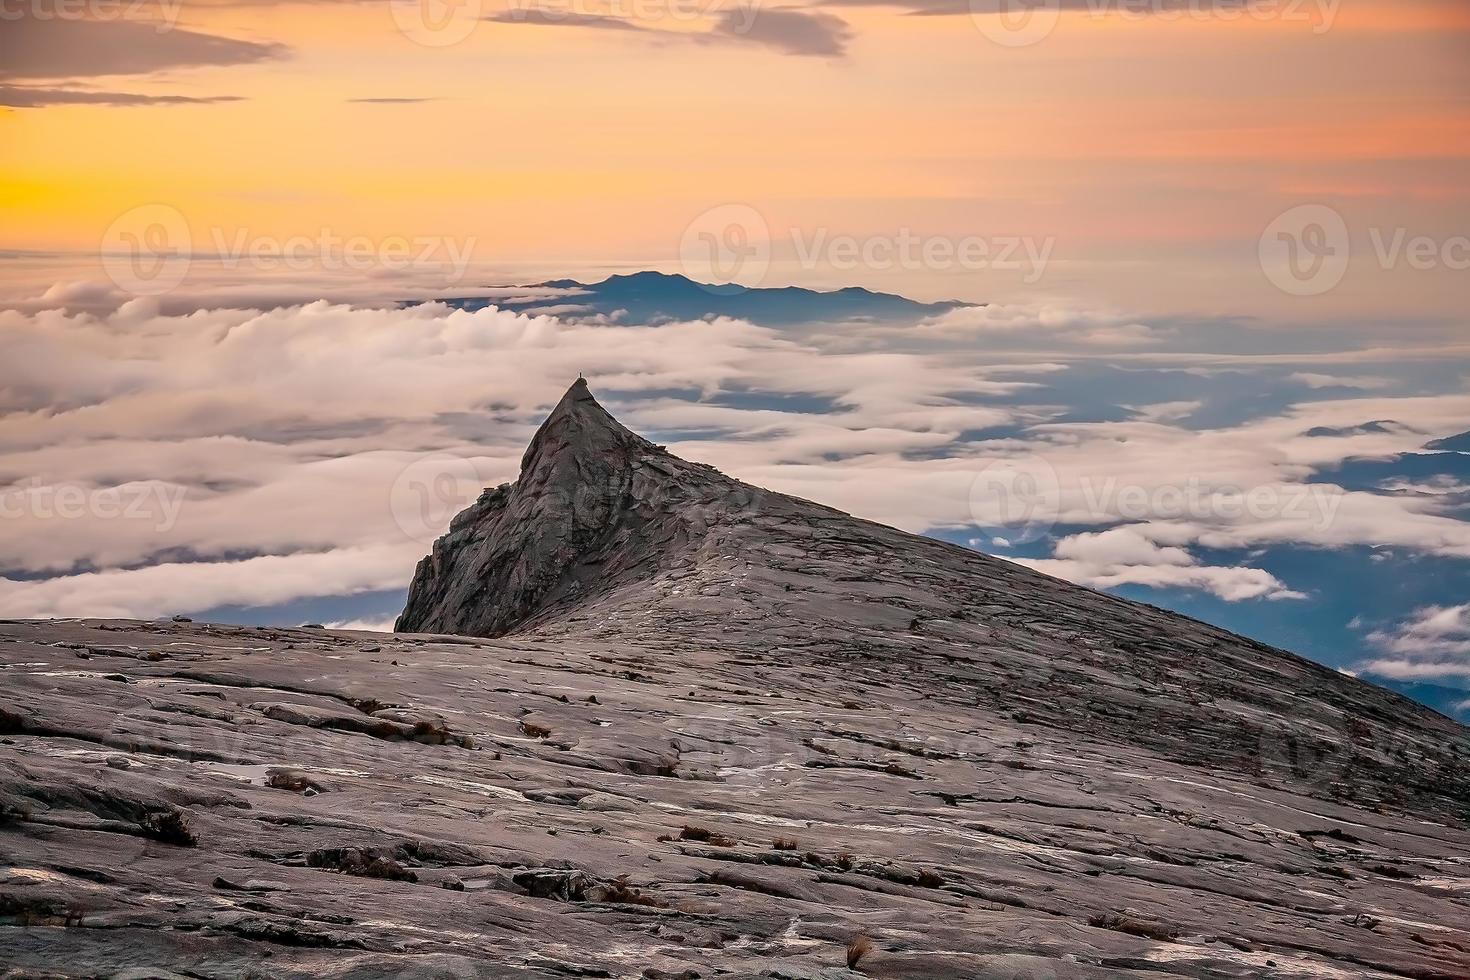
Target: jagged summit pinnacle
{"type": "Point", "coordinates": [574, 524]}
{"type": "Point", "coordinates": [579, 422]}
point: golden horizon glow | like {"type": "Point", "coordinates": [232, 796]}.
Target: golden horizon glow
{"type": "Point", "coordinates": [1122, 138]}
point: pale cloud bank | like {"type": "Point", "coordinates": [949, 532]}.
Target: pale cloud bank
{"type": "Point", "coordinates": [1045, 322]}
{"type": "Point", "coordinates": [1132, 555]}
{"type": "Point", "coordinates": [1433, 645]}
{"type": "Point", "coordinates": [146, 593]}
{"type": "Point", "coordinates": [270, 455]}
{"type": "Point", "coordinates": [1313, 379]}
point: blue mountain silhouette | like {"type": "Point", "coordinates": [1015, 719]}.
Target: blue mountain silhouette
{"type": "Point", "coordinates": [651, 297]}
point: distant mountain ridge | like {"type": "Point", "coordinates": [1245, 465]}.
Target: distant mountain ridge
{"type": "Point", "coordinates": [644, 297]}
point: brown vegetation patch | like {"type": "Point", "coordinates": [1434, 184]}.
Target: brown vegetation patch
{"type": "Point", "coordinates": [704, 836]}
{"type": "Point", "coordinates": [1133, 927]}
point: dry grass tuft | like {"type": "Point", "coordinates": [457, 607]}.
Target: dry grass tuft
{"type": "Point", "coordinates": [361, 863]}
{"type": "Point", "coordinates": [170, 827]}
{"type": "Point", "coordinates": [1132, 926]}
{"type": "Point", "coordinates": [290, 779]}
{"type": "Point", "coordinates": [928, 879]}
{"type": "Point", "coordinates": [785, 844]}
{"type": "Point", "coordinates": [703, 836]}
{"type": "Point", "coordinates": [857, 948]}
{"type": "Point", "coordinates": [620, 892]}
{"type": "Point", "coordinates": [433, 733]}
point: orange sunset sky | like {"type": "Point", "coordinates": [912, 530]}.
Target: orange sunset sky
{"type": "Point", "coordinates": [1153, 148]}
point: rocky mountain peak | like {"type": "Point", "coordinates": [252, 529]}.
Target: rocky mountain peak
{"type": "Point", "coordinates": [579, 428]}
{"type": "Point", "coordinates": [577, 523]}
{"type": "Point", "coordinates": [606, 537]}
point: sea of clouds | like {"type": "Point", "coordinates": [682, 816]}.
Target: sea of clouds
{"type": "Point", "coordinates": [164, 459]}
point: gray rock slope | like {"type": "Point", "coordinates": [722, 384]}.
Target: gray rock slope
{"type": "Point", "coordinates": [691, 728]}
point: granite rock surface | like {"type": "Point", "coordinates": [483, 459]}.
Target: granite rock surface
{"type": "Point", "coordinates": [643, 720]}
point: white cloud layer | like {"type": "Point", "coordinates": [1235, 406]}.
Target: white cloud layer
{"type": "Point", "coordinates": [1045, 322]}
{"type": "Point", "coordinates": [157, 462]}
{"type": "Point", "coordinates": [1432, 645]}
{"type": "Point", "coordinates": [1131, 555]}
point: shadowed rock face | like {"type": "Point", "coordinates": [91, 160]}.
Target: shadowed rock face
{"type": "Point", "coordinates": [598, 513]}
{"type": "Point", "coordinates": [582, 518]}
{"type": "Point", "coordinates": [718, 732]}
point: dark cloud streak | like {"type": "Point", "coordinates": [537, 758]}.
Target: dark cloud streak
{"type": "Point", "coordinates": [19, 97]}
{"type": "Point", "coordinates": [547, 18]}
{"type": "Point", "coordinates": [787, 30]}
{"type": "Point", "coordinates": [58, 49]}
{"type": "Point", "coordinates": [797, 32]}
{"type": "Point", "coordinates": [955, 8]}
